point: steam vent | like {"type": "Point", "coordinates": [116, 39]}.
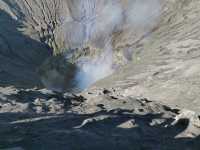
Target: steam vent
{"type": "Point", "coordinates": [99, 75]}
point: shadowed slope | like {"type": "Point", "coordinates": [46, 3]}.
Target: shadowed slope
{"type": "Point", "coordinates": [19, 54]}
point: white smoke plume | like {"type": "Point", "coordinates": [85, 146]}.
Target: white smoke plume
{"type": "Point", "coordinates": [95, 69]}
{"type": "Point", "coordinates": [91, 20]}
{"type": "Point", "coordinates": [143, 13]}
{"type": "Point", "coordinates": [94, 21]}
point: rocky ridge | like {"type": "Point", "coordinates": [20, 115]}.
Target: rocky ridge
{"type": "Point", "coordinates": [100, 119]}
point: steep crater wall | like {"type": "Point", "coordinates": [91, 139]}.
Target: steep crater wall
{"type": "Point", "coordinates": [32, 31]}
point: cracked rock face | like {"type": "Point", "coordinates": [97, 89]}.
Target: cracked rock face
{"type": "Point", "coordinates": [151, 103]}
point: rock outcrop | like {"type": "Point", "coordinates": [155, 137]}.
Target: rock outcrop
{"type": "Point", "coordinates": [101, 119]}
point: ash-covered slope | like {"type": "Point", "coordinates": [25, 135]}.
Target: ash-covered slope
{"type": "Point", "coordinates": [27, 37]}
{"type": "Point", "coordinates": [151, 103]}
{"type": "Point", "coordinates": [20, 53]}
{"type": "Point", "coordinates": [166, 64]}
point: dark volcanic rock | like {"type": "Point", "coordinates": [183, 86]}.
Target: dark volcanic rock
{"type": "Point", "coordinates": [122, 123]}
